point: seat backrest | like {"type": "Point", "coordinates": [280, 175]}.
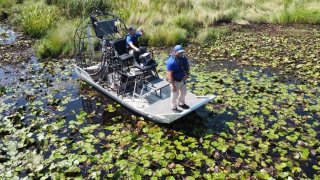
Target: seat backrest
{"type": "Point", "coordinates": [103, 27]}
{"type": "Point", "coordinates": [120, 46]}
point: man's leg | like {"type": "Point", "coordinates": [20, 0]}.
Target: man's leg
{"type": "Point", "coordinates": [183, 93]}
{"type": "Point", "coordinates": [174, 96]}
{"type": "Point", "coordinates": [136, 56]}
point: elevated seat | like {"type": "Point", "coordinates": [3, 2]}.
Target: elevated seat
{"type": "Point", "coordinates": [121, 51]}
{"type": "Point", "coordinates": [103, 27]}
{"type": "Point", "coordinates": [145, 63]}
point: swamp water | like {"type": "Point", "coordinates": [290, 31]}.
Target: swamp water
{"type": "Point", "coordinates": [7, 36]}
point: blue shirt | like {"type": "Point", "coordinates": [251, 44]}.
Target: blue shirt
{"type": "Point", "coordinates": [178, 65]}
{"type": "Point", "coordinates": [132, 39]}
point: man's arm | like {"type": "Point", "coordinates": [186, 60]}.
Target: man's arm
{"type": "Point", "coordinates": [140, 33]}
{"type": "Point", "coordinates": [186, 65]}
{"type": "Point", "coordinates": [186, 68]}
{"type": "Point", "coordinates": [171, 80]}
{"type": "Point", "coordinates": [133, 46]}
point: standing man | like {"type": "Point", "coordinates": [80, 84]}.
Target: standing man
{"type": "Point", "coordinates": [132, 43]}
{"type": "Point", "coordinates": [177, 74]}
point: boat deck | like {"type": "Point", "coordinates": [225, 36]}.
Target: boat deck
{"type": "Point", "coordinates": [162, 106]}
{"type": "Point", "coordinates": [150, 98]}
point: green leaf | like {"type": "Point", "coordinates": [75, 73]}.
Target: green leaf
{"type": "Point", "coordinates": [280, 166]}
{"type": "Point", "coordinates": [146, 163]}
{"type": "Point", "coordinates": [304, 154]}
{"type": "Point", "coordinates": [164, 171]}
{"type": "Point", "coordinates": [89, 148]}
{"type": "Point", "coordinates": [101, 135]}
{"type": "Point", "coordinates": [315, 167]}
{"type": "Point", "coordinates": [230, 125]}
{"type": "Point", "coordinates": [82, 114]}
{"type": "Point", "coordinates": [180, 157]}
{"type": "Point", "coordinates": [39, 167]}
{"type": "Point", "coordinates": [110, 108]}
{"type": "Point", "coordinates": [170, 155]}
{"type": "Point", "coordinates": [284, 174]}
{"type": "Point", "coordinates": [263, 175]}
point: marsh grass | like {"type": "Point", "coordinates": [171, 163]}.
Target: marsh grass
{"type": "Point", "coordinates": [166, 35]}
{"type": "Point", "coordinates": [36, 18]}
{"type": "Point", "coordinates": [166, 22]}
{"type": "Point", "coordinates": [213, 11]}
{"type": "Point", "coordinates": [7, 3]}
{"type": "Point", "coordinates": [210, 35]}
{"type": "Point", "coordinates": [76, 8]}
{"type": "Point", "coordinates": [5, 6]}
{"type": "Point", "coordinates": [190, 24]}
{"type": "Point", "coordinates": [59, 40]}
{"type": "Point", "coordinates": [300, 15]}
{"type": "Point", "coordinates": [198, 18]}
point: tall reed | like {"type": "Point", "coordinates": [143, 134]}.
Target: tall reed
{"type": "Point", "coordinates": [299, 12]}
{"type": "Point", "coordinates": [76, 8]}
{"type": "Point", "coordinates": [210, 35]}
{"type": "Point", "coordinates": [59, 40]}
{"type": "Point", "coordinates": [166, 35]}
{"type": "Point", "coordinates": [165, 22]}
{"type": "Point", "coordinates": [6, 4]}
{"type": "Point", "coordinates": [37, 18]}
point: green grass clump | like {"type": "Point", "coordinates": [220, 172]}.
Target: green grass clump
{"type": "Point", "coordinates": [7, 3]}
{"type": "Point", "coordinates": [188, 23]}
{"type": "Point", "coordinates": [300, 15]}
{"type": "Point", "coordinates": [76, 8]}
{"type": "Point", "coordinates": [36, 18]}
{"type": "Point", "coordinates": [5, 6]}
{"type": "Point", "coordinates": [59, 41]}
{"type": "Point", "coordinates": [166, 36]}
{"type": "Point", "coordinates": [210, 35]}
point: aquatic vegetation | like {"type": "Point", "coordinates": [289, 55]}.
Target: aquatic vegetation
{"type": "Point", "coordinates": [7, 36]}
{"type": "Point", "coordinates": [285, 51]}
{"type": "Point", "coordinates": [263, 123]}
{"type": "Point", "coordinates": [258, 127]}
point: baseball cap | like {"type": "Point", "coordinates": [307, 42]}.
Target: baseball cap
{"type": "Point", "coordinates": [178, 48]}
{"type": "Point", "coordinates": [131, 28]}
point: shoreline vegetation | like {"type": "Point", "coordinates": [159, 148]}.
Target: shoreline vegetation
{"type": "Point", "coordinates": [53, 22]}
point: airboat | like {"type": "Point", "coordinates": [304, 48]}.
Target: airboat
{"type": "Point", "coordinates": [103, 62]}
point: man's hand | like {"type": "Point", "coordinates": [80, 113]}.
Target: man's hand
{"type": "Point", "coordinates": [171, 81]}
{"type": "Point", "coordinates": [134, 47]}
{"type": "Point", "coordinates": [185, 77]}
{"type": "Point", "coordinates": [174, 88]}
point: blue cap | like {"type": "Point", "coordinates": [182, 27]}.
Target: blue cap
{"type": "Point", "coordinates": [178, 48]}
